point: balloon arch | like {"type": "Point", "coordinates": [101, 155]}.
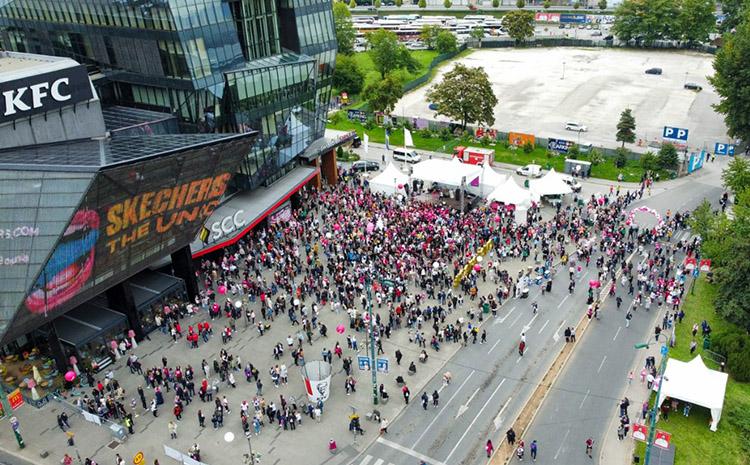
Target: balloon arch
{"type": "Point", "coordinates": [630, 221]}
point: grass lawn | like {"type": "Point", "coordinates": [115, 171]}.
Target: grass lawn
{"type": "Point", "coordinates": [694, 443]}
{"type": "Point", "coordinates": [607, 170]}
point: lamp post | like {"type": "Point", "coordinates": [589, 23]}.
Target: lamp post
{"type": "Point", "coordinates": [662, 368]}
{"type": "Point", "coordinates": [373, 364]}
{"type": "Point", "coordinates": [250, 459]}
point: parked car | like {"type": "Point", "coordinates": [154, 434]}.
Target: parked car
{"type": "Point", "coordinates": [693, 86]}
{"type": "Point", "coordinates": [532, 171]}
{"type": "Point", "coordinates": [363, 166]}
{"type": "Point", "coordinates": [433, 106]}
{"type": "Point", "coordinates": [356, 142]}
{"type": "Point", "coordinates": [561, 26]}
{"type": "Point", "coordinates": [577, 127]}
{"type": "Point", "coordinates": [596, 33]}
{"type": "Point", "coordinates": [609, 37]}
{"type": "Point", "coordinates": [653, 71]}
{"type": "Point", "coordinates": [409, 156]}
{"type": "Point", "coordinates": [573, 183]}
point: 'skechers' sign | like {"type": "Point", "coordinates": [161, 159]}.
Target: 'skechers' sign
{"type": "Point", "coordinates": [42, 93]}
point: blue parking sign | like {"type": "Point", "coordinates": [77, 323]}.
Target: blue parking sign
{"type": "Point", "coordinates": [721, 148]}
{"type": "Point", "coordinates": [680, 134]}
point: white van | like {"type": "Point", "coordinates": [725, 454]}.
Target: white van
{"type": "Point", "coordinates": [409, 156]}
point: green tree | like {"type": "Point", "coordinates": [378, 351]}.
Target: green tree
{"type": "Point", "coordinates": [577, 5]}
{"type": "Point", "coordinates": [596, 157]}
{"type": "Point", "coordinates": [668, 158]}
{"type": "Point", "coordinates": [649, 161]}
{"type": "Point", "coordinates": [345, 33]}
{"type": "Point", "coordinates": [399, 3]}
{"type": "Point", "coordinates": [547, 4]}
{"type": "Point", "coordinates": [602, 4]}
{"type": "Point", "coordinates": [736, 175]}
{"type": "Point", "coordinates": [477, 34]}
{"type": "Point", "coordinates": [520, 3]}
{"type": "Point", "coordinates": [352, 4]}
{"type": "Point", "coordinates": [382, 95]}
{"type": "Point", "coordinates": [446, 42]}
{"type": "Point", "coordinates": [428, 34]}
{"type": "Point", "coordinates": [388, 54]}
{"type": "Point", "coordinates": [646, 20]}
{"type": "Point", "coordinates": [732, 81]}
{"type": "Point", "coordinates": [703, 219]}
{"type": "Point", "coordinates": [376, 4]}
{"type": "Point", "coordinates": [347, 76]}
{"type": "Point", "coordinates": [422, 4]}
{"type": "Point", "coordinates": [520, 24]}
{"type": "Point", "coordinates": [447, 3]}
{"type": "Point", "coordinates": [465, 94]}
{"type": "Point", "coordinates": [626, 127]}
{"type": "Point", "coordinates": [621, 157]}
{"type": "Point", "coordinates": [495, 3]}
{"type": "Point", "coordinates": [734, 11]}
{"type": "Point", "coordinates": [696, 20]}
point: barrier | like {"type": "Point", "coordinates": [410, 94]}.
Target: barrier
{"type": "Point", "coordinates": [437, 61]}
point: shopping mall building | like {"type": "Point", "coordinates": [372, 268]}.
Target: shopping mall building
{"type": "Point", "coordinates": [136, 136]}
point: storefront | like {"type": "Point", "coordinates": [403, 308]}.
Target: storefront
{"type": "Point", "coordinates": [152, 291]}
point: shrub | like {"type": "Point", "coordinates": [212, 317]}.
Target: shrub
{"type": "Point", "coordinates": [735, 346]}
{"type": "Point", "coordinates": [504, 144]}
{"type": "Point", "coordinates": [422, 4]}
{"type": "Point", "coordinates": [369, 124]}
{"type": "Point", "coordinates": [668, 158]}
{"type": "Point", "coordinates": [648, 161]}
{"type": "Point", "coordinates": [574, 152]}
{"type": "Point", "coordinates": [337, 117]}
{"type": "Point", "coordinates": [738, 415]}
{"type": "Point", "coordinates": [446, 134]}
{"type": "Point", "coordinates": [528, 147]}
{"type": "Point", "coordinates": [495, 3]}
{"type": "Point", "coordinates": [596, 157]}
{"type": "Point", "coordinates": [425, 133]}
{"type": "Point", "coordinates": [485, 140]}
{"type": "Point", "coordinates": [447, 3]}
{"type": "Point", "coordinates": [621, 157]}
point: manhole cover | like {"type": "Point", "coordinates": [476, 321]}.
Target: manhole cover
{"type": "Point", "coordinates": [113, 445]}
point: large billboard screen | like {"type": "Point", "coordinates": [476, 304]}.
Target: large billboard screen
{"type": "Point", "coordinates": [130, 216]}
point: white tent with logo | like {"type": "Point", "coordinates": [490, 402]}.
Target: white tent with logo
{"type": "Point", "coordinates": [550, 184]}
{"type": "Point", "coordinates": [447, 172]}
{"type": "Point", "coordinates": [511, 193]}
{"type": "Point", "coordinates": [694, 382]}
{"type": "Point", "coordinates": [388, 181]}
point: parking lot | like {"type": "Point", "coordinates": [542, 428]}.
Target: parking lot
{"type": "Point", "coordinates": [539, 90]}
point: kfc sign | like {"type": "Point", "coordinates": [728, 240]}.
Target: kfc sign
{"type": "Point", "coordinates": [42, 93]}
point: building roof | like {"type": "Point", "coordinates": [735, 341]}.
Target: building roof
{"type": "Point", "coordinates": [117, 117]}
{"type": "Point", "coordinates": [91, 155]}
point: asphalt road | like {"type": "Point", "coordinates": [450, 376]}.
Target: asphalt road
{"type": "Point", "coordinates": [586, 396]}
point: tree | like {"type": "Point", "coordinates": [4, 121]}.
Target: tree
{"type": "Point", "coordinates": [736, 175]}
{"type": "Point", "coordinates": [621, 157]}
{"type": "Point", "coordinates": [596, 157]}
{"type": "Point", "coordinates": [383, 95]}
{"type": "Point", "coordinates": [376, 4]}
{"type": "Point", "coordinates": [646, 20]}
{"type": "Point", "coordinates": [353, 4]}
{"type": "Point", "coordinates": [702, 220]}
{"type": "Point", "coordinates": [520, 3]}
{"type": "Point", "coordinates": [520, 24]}
{"type": "Point", "coordinates": [428, 34]}
{"type": "Point", "coordinates": [422, 4]}
{"type": "Point", "coordinates": [477, 34]}
{"type": "Point", "coordinates": [388, 54]}
{"type": "Point", "coordinates": [446, 42]}
{"type": "Point", "coordinates": [447, 3]}
{"type": "Point", "coordinates": [626, 127]}
{"type": "Point", "coordinates": [399, 3]}
{"type": "Point", "coordinates": [732, 81]}
{"type": "Point", "coordinates": [668, 158]}
{"type": "Point", "coordinates": [465, 94]}
{"type": "Point", "coordinates": [602, 4]}
{"type": "Point", "coordinates": [495, 3]}
{"type": "Point", "coordinates": [577, 5]}
{"type": "Point", "coordinates": [345, 33]}
{"type": "Point", "coordinates": [649, 161]}
{"type": "Point", "coordinates": [347, 76]}
{"type": "Point", "coordinates": [696, 20]}
{"type": "Point", "coordinates": [734, 11]}
{"type": "Point", "coordinates": [547, 4]}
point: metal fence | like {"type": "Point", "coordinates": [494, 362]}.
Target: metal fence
{"type": "Point", "coordinates": [437, 61]}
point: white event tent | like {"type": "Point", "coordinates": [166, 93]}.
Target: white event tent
{"type": "Point", "coordinates": [488, 181]}
{"type": "Point", "coordinates": [388, 181]}
{"type": "Point", "coordinates": [550, 184]}
{"type": "Point", "coordinates": [511, 193]}
{"type": "Point", "coordinates": [446, 172]}
{"type": "Point", "coordinates": [694, 382]}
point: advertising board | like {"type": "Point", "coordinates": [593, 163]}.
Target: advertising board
{"type": "Point", "coordinates": [559, 145]}
{"type": "Point", "coordinates": [520, 139]}
{"type": "Point", "coordinates": [572, 18]}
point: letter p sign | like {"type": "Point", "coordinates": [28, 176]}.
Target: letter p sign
{"type": "Point", "coordinates": [675, 133]}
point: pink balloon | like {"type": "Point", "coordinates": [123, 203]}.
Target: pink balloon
{"type": "Point", "coordinates": [477, 267]}
{"type": "Point", "coordinates": [222, 289]}
{"type": "Point", "coordinates": [497, 218]}
{"type": "Point", "coordinates": [400, 186]}
{"type": "Point", "coordinates": [70, 376]}
{"type": "Point", "coordinates": [370, 227]}
{"type": "Point", "coordinates": [340, 329]}
{"type": "Point", "coordinates": [336, 226]}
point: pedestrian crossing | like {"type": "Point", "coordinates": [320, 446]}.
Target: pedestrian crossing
{"type": "Point", "coordinates": [368, 460]}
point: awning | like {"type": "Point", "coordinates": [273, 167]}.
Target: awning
{"type": "Point", "coordinates": [151, 286]}
{"type": "Point", "coordinates": [85, 323]}
{"type": "Point", "coordinates": [239, 215]}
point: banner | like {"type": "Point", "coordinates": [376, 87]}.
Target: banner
{"type": "Point", "coordinates": [520, 139]}
{"type": "Point", "coordinates": [367, 142]}
{"type": "Point", "coordinates": [282, 214]}
{"type": "Point", "coordinates": [408, 141]}
{"type": "Point", "coordinates": [357, 115]}
{"type": "Point", "coordinates": [640, 432]}
{"type": "Point", "coordinates": [572, 18]}
{"type": "Point", "coordinates": [540, 17]}
{"type": "Point", "coordinates": [559, 145]}
{"type": "Point", "coordinates": [317, 376]}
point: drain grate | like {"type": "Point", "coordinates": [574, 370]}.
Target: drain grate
{"type": "Point", "coordinates": [113, 445]}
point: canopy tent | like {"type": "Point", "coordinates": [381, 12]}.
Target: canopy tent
{"type": "Point", "coordinates": [488, 181]}
{"type": "Point", "coordinates": [694, 382]}
{"type": "Point", "coordinates": [512, 193]}
{"type": "Point", "coordinates": [388, 181]}
{"type": "Point", "coordinates": [550, 184]}
{"type": "Point", "coordinates": [447, 172]}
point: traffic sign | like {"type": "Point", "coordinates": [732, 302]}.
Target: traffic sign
{"type": "Point", "coordinates": [363, 361]}
{"type": "Point", "coordinates": [724, 149]}
{"type": "Point", "coordinates": [705, 265]}
{"type": "Point", "coordinates": [690, 263]}
{"type": "Point", "coordinates": [675, 133]}
{"type": "Point", "coordinates": [138, 458]}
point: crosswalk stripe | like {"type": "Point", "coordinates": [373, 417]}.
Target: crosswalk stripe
{"type": "Point", "coordinates": [366, 460]}
{"type": "Point", "coordinates": [379, 462]}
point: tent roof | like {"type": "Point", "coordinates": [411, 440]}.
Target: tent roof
{"type": "Point", "coordinates": [512, 193]}
{"type": "Point", "coordinates": [491, 177]}
{"type": "Point", "coordinates": [694, 382]}
{"type": "Point", "coordinates": [550, 184]}
{"type": "Point", "coordinates": [446, 172]}
{"type": "Point", "coordinates": [388, 181]}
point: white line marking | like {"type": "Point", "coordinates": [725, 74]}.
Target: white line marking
{"type": "Point", "coordinates": [379, 462]}
{"type": "Point", "coordinates": [478, 415]}
{"type": "Point", "coordinates": [465, 406]}
{"type": "Point", "coordinates": [528, 326]}
{"type": "Point", "coordinates": [493, 347]}
{"type": "Point", "coordinates": [559, 449]}
{"type": "Point", "coordinates": [408, 451]}
{"type": "Point", "coordinates": [502, 320]}
{"type": "Point", "coordinates": [543, 326]}
{"type": "Point", "coordinates": [588, 391]}
{"type": "Point", "coordinates": [441, 410]}
{"type": "Point", "coordinates": [601, 364]}
{"type": "Point", "coordinates": [515, 321]}
{"type": "Point", "coordinates": [563, 301]}
{"type": "Point", "coordinates": [585, 274]}
{"type": "Point", "coordinates": [498, 420]}
{"type": "Point", "coordinates": [366, 460]}
{"type": "Point", "coordinates": [618, 331]}
{"type": "Point", "coordinates": [519, 359]}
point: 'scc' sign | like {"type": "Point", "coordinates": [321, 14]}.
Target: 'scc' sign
{"type": "Point", "coordinates": [38, 94]}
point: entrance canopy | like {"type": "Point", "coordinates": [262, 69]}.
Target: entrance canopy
{"type": "Point", "coordinates": [151, 286]}
{"type": "Point", "coordinates": [86, 322]}
{"type": "Point", "coordinates": [550, 184]}
{"type": "Point", "coordinates": [694, 382]}
{"type": "Point", "coordinates": [388, 181]}
{"type": "Point", "coordinates": [447, 172]}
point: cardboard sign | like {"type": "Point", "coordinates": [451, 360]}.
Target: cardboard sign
{"type": "Point", "coordinates": [662, 439]}
{"type": "Point", "coordinates": [640, 432]}
{"type": "Point", "coordinates": [690, 263]}
{"type": "Point", "coordinates": [705, 265]}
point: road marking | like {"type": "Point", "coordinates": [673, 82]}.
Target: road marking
{"type": "Point", "coordinates": [502, 320]}
{"type": "Point", "coordinates": [543, 326]}
{"type": "Point", "coordinates": [559, 449]}
{"type": "Point", "coordinates": [379, 462]}
{"type": "Point", "coordinates": [465, 406]}
{"type": "Point", "coordinates": [493, 347]}
{"type": "Point", "coordinates": [442, 409]}
{"type": "Point", "coordinates": [618, 331]}
{"type": "Point", "coordinates": [408, 451]}
{"type": "Point", "coordinates": [366, 460]}
{"type": "Point", "coordinates": [519, 359]}
{"type": "Point", "coordinates": [588, 391]}
{"type": "Point", "coordinates": [563, 301]}
{"type": "Point", "coordinates": [498, 420]}
{"type": "Point", "coordinates": [528, 326]}
{"type": "Point", "coordinates": [585, 274]}
{"type": "Point", "coordinates": [515, 321]}
{"type": "Point", "coordinates": [477, 416]}
{"type": "Point", "coordinates": [557, 331]}
{"type": "Point", "coordinates": [601, 364]}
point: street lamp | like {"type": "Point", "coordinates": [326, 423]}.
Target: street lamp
{"type": "Point", "coordinates": [249, 458]}
{"type": "Point", "coordinates": [662, 368]}
{"type": "Point", "coordinates": [373, 364]}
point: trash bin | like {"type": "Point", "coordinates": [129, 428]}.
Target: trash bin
{"type": "Point", "coordinates": [526, 183]}
{"type": "Point", "coordinates": [706, 343]}
{"type": "Point", "coordinates": [485, 308]}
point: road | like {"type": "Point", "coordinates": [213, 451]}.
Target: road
{"type": "Point", "coordinates": [585, 397]}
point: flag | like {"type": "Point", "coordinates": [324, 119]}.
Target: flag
{"type": "Point", "coordinates": [367, 142]}
{"type": "Point", "coordinates": [387, 140]}
{"type": "Point", "coordinates": [475, 182]}
{"type": "Point", "coordinates": [408, 142]}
